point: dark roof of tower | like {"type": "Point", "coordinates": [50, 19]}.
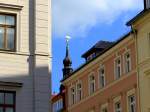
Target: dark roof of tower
{"type": "Point", "coordinates": [67, 60]}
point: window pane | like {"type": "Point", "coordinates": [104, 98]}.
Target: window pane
{"type": "Point", "coordinates": [9, 98]}
{"type": "Point", "coordinates": [10, 38]}
{"type": "Point", "coordinates": [1, 109]}
{"type": "Point", "coordinates": [9, 110]}
{"type": "Point", "coordinates": [10, 20]}
{"type": "Point", "coordinates": [1, 37]}
{"type": "Point", "coordinates": [2, 19]}
{"type": "Point", "coordinates": [1, 98]}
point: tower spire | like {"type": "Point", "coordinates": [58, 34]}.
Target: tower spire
{"type": "Point", "coordinates": [67, 61]}
{"type": "Point", "coordinates": [67, 46]}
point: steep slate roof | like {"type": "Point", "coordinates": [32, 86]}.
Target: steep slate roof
{"type": "Point", "coordinates": [108, 48]}
{"type": "Point", "coordinates": [102, 44]}
{"type": "Point", "coordinates": [99, 46]}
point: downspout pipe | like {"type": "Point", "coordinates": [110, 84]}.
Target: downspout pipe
{"type": "Point", "coordinates": [135, 32]}
{"type": "Point", "coordinates": [34, 56]}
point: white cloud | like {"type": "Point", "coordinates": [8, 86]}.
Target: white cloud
{"type": "Point", "coordinates": [71, 17]}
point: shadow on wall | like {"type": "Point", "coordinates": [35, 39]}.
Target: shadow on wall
{"type": "Point", "coordinates": [35, 82]}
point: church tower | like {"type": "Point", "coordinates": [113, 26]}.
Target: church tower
{"type": "Point", "coordinates": [67, 61]}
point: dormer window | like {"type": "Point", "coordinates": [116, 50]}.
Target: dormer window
{"type": "Point", "coordinates": [7, 32]}
{"type": "Point", "coordinates": [93, 55]}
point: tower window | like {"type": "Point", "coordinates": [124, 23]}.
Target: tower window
{"type": "Point", "coordinates": [7, 32]}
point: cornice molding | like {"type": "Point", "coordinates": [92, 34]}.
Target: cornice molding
{"type": "Point", "coordinates": [11, 84]}
{"type": "Point", "coordinates": [11, 6]}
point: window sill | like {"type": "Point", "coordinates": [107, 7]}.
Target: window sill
{"type": "Point", "coordinates": [14, 52]}
{"type": "Point", "coordinates": [7, 51]}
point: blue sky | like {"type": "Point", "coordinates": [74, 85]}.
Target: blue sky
{"type": "Point", "coordinates": [86, 22]}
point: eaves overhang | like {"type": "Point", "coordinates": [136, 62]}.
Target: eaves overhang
{"type": "Point", "coordinates": [138, 17]}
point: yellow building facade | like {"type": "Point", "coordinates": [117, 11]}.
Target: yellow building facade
{"type": "Point", "coordinates": [141, 27]}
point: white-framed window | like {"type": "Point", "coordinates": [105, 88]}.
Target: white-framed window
{"type": "Point", "coordinates": [132, 103]}
{"type": "Point", "coordinates": [118, 68]}
{"type": "Point", "coordinates": [104, 110]}
{"type": "Point", "coordinates": [57, 106]}
{"type": "Point", "coordinates": [127, 58]}
{"type": "Point", "coordinates": [79, 91]}
{"type": "Point", "coordinates": [102, 77]}
{"type": "Point", "coordinates": [91, 84]}
{"type": "Point", "coordinates": [7, 32]}
{"type": "Point", "coordinates": [60, 104]}
{"type": "Point", "coordinates": [54, 107]}
{"type": "Point", "coordinates": [72, 95]}
{"type": "Point", "coordinates": [117, 107]}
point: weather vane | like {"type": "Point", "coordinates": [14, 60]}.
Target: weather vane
{"type": "Point", "coordinates": [67, 39]}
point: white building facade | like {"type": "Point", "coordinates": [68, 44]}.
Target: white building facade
{"type": "Point", "coordinates": [25, 55]}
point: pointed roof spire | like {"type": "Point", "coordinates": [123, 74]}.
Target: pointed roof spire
{"type": "Point", "coordinates": [67, 61]}
{"type": "Point", "coordinates": [67, 46]}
